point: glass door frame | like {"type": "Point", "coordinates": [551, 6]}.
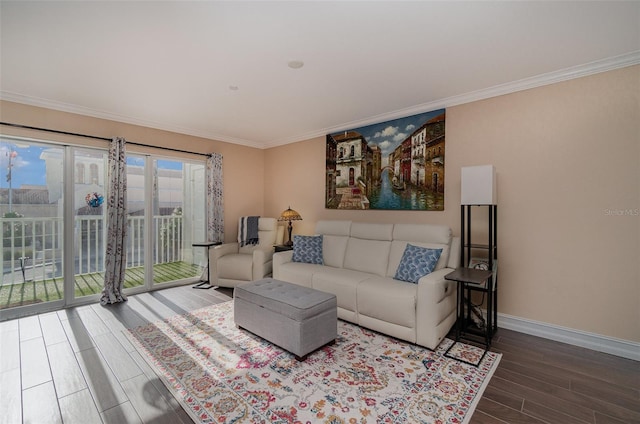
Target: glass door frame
{"type": "Point", "coordinates": [151, 173]}
{"type": "Point", "coordinates": [70, 233]}
{"type": "Point", "coordinates": [67, 232]}
{"type": "Point", "coordinates": [150, 161]}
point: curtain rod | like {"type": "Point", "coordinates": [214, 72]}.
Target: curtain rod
{"type": "Point", "coordinates": [98, 138]}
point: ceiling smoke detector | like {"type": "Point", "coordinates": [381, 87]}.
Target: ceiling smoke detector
{"type": "Point", "coordinates": [295, 64]}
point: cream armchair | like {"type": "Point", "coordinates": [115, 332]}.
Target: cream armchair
{"type": "Point", "coordinates": [232, 264]}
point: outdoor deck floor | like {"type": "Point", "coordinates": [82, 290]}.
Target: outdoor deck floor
{"type": "Point", "coordinates": [20, 294]}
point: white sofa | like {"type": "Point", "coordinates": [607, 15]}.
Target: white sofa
{"type": "Point", "coordinates": [359, 263]}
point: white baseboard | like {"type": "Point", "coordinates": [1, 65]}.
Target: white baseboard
{"type": "Point", "coordinates": [598, 342]}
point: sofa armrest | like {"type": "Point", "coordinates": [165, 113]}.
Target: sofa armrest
{"type": "Point", "coordinates": [262, 258]}
{"type": "Point", "coordinates": [279, 259]}
{"type": "Point", "coordinates": [262, 255]}
{"type": "Point", "coordinates": [216, 253]}
{"type": "Point", "coordinates": [223, 249]}
{"type": "Point", "coordinates": [434, 286]}
{"type": "Point", "coordinates": [454, 253]}
{"type": "Point", "coordinates": [435, 308]}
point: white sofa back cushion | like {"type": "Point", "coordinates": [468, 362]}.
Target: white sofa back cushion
{"type": "Point", "coordinates": [333, 248]}
{"type": "Point", "coordinates": [370, 256]}
{"type": "Point", "coordinates": [368, 248]}
{"type": "Point", "coordinates": [368, 231]}
{"type": "Point", "coordinates": [334, 228]}
{"type": "Point", "coordinates": [334, 241]}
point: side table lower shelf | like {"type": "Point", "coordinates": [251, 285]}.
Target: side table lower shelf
{"type": "Point", "coordinates": [468, 280]}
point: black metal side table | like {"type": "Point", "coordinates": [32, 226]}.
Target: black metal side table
{"type": "Point", "coordinates": [469, 280]}
{"type": "Point", "coordinates": [206, 284]}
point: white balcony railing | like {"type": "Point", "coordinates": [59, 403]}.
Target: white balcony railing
{"type": "Point", "coordinates": [32, 247]}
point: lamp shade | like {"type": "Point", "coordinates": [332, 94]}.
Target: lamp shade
{"type": "Point", "coordinates": [479, 185]}
{"type": "Point", "coordinates": [290, 215]}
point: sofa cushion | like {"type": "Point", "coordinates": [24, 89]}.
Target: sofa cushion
{"type": "Point", "coordinates": [416, 262]}
{"type": "Point", "coordinates": [371, 256]}
{"type": "Point", "coordinates": [298, 272]}
{"type": "Point", "coordinates": [388, 300]}
{"type": "Point", "coordinates": [307, 249]}
{"type": "Point", "coordinates": [369, 231]}
{"type": "Point", "coordinates": [397, 250]}
{"type": "Point", "coordinates": [334, 228]}
{"type": "Point", "coordinates": [343, 283]}
{"type": "Point", "coordinates": [333, 250]}
{"type": "Point", "coordinates": [334, 243]}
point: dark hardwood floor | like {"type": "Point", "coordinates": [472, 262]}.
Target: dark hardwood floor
{"type": "Point", "coordinates": [75, 366]}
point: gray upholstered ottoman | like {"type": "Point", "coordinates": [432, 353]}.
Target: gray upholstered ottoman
{"type": "Point", "coordinates": [296, 318]}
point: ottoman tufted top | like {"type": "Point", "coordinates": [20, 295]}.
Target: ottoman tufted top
{"type": "Point", "coordinates": [290, 300]}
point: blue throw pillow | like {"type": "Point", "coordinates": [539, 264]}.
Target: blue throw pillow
{"type": "Point", "coordinates": [416, 262]}
{"type": "Point", "coordinates": [307, 249]}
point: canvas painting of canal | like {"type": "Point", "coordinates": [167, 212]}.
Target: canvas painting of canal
{"type": "Point", "coordinates": [396, 165]}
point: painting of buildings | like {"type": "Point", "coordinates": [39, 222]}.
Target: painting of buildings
{"type": "Point", "coordinates": [397, 164]}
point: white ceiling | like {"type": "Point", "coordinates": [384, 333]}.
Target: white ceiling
{"type": "Point", "coordinates": [170, 65]}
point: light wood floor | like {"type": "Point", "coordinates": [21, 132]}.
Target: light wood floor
{"type": "Point", "coordinates": [75, 366]}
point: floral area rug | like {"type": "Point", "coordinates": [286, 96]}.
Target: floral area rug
{"type": "Point", "coordinates": [472, 355]}
{"type": "Point", "coordinates": [222, 374]}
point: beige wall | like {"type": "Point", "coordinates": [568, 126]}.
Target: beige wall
{"type": "Point", "coordinates": [568, 159]}
{"type": "Point", "coordinates": [243, 167]}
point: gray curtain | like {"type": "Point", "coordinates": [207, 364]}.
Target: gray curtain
{"type": "Point", "coordinates": [215, 209]}
{"type": "Point", "coordinates": [215, 199]}
{"type": "Point", "coordinates": [115, 255]}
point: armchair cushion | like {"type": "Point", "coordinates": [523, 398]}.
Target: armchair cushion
{"type": "Point", "coordinates": [267, 232]}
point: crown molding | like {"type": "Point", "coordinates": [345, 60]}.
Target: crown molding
{"type": "Point", "coordinates": [608, 64]}
{"type": "Point", "coordinates": [79, 110]}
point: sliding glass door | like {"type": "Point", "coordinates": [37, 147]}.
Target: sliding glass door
{"type": "Point", "coordinates": [32, 205]}
{"type": "Point", "coordinates": [53, 222]}
{"type": "Point", "coordinates": [178, 217]}
{"type": "Point", "coordinates": [89, 221]}
{"type": "Point", "coordinates": [138, 236]}
{"type": "Point", "coordinates": [165, 202]}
